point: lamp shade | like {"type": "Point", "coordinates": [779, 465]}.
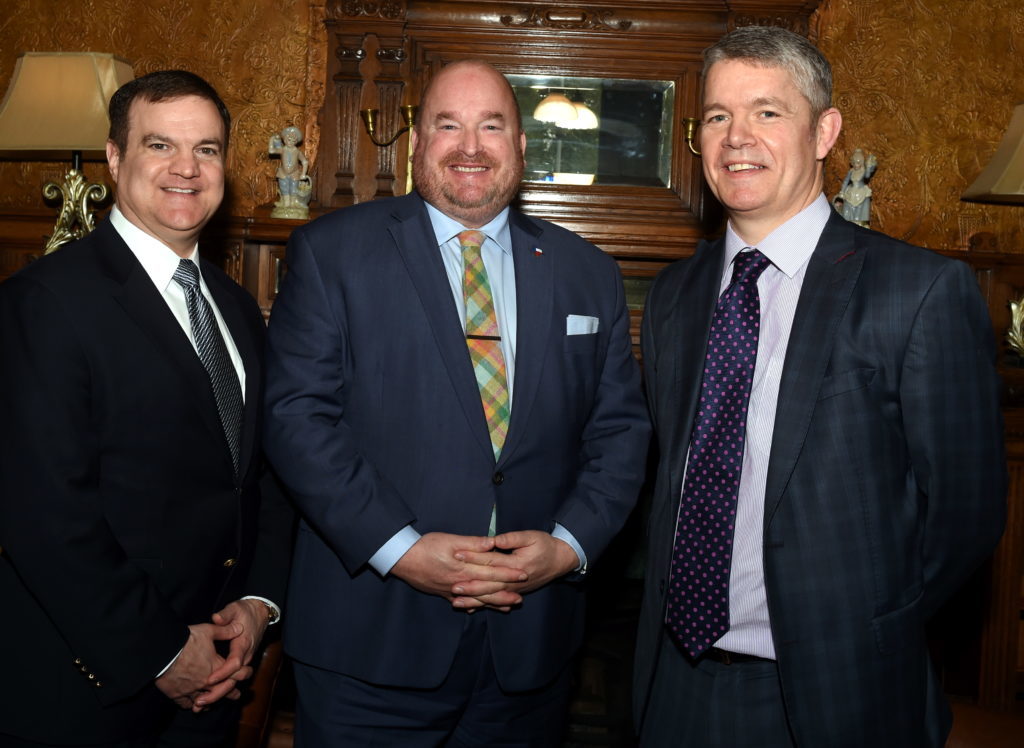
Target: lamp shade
{"type": "Point", "coordinates": [555, 108]}
{"type": "Point", "coordinates": [1002, 181]}
{"type": "Point", "coordinates": [57, 103]}
{"type": "Point", "coordinates": [585, 118]}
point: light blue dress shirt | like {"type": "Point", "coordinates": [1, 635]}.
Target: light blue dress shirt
{"type": "Point", "coordinates": [501, 275]}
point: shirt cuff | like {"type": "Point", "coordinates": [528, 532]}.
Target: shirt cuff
{"type": "Point", "coordinates": [270, 604]}
{"type": "Point", "coordinates": [562, 534]}
{"type": "Point", "coordinates": [168, 665]}
{"type": "Point", "coordinates": [394, 549]}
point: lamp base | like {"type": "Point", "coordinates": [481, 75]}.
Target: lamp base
{"type": "Point", "coordinates": [75, 219]}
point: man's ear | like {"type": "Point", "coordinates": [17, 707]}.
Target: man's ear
{"type": "Point", "coordinates": [113, 159]}
{"type": "Point", "coordinates": [829, 124]}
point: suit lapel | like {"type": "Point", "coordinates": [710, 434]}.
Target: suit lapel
{"type": "Point", "coordinates": [241, 334]}
{"type": "Point", "coordinates": [832, 273]}
{"type": "Point", "coordinates": [687, 326]}
{"type": "Point", "coordinates": [535, 273]}
{"type": "Point", "coordinates": [143, 303]}
{"type": "Point", "coordinates": [415, 242]}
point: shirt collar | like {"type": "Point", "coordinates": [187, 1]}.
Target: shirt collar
{"type": "Point", "coordinates": [157, 259]}
{"type": "Point", "coordinates": [790, 245]}
{"type": "Point", "coordinates": [446, 228]}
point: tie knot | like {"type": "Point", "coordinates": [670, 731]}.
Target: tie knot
{"type": "Point", "coordinates": [748, 266]}
{"type": "Point", "coordinates": [471, 239]}
{"type": "Point", "coordinates": [187, 274]}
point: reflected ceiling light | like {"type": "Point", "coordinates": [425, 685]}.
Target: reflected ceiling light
{"type": "Point", "coordinates": [585, 118]}
{"type": "Point", "coordinates": [555, 107]}
{"type": "Point", "coordinates": [1002, 181]}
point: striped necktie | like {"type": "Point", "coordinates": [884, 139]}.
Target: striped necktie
{"type": "Point", "coordinates": [214, 355]}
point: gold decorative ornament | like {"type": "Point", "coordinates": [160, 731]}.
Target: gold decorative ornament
{"type": "Point", "coordinates": [75, 219]}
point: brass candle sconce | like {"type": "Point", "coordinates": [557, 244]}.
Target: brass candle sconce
{"type": "Point", "coordinates": [409, 116]}
{"type": "Point", "coordinates": [370, 121]}
{"type": "Point", "coordinates": [690, 133]}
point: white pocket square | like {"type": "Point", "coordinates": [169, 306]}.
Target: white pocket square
{"type": "Point", "coordinates": [580, 324]}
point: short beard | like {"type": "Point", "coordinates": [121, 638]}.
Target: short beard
{"type": "Point", "coordinates": [435, 190]}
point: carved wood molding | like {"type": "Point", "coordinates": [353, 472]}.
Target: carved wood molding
{"type": "Point", "coordinates": [562, 18]}
{"type": "Point", "coordinates": [390, 10]}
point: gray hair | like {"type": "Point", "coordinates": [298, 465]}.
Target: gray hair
{"type": "Point", "coordinates": [774, 47]}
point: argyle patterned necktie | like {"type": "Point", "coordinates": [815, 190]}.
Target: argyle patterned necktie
{"type": "Point", "coordinates": [484, 339]}
{"type": "Point", "coordinates": [214, 356]}
{"type": "Point", "coordinates": [697, 612]}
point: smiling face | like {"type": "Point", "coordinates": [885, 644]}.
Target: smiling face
{"type": "Point", "coordinates": [468, 147]}
{"type": "Point", "coordinates": [170, 177]}
{"type": "Point", "coordinates": [762, 151]}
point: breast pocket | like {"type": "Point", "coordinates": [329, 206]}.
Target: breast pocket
{"type": "Point", "coordinates": [848, 381]}
{"type": "Point", "coordinates": [586, 343]}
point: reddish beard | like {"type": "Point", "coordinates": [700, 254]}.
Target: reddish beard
{"type": "Point", "coordinates": [479, 205]}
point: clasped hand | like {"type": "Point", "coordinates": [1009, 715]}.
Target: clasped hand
{"type": "Point", "coordinates": [474, 572]}
{"type": "Point", "coordinates": [200, 676]}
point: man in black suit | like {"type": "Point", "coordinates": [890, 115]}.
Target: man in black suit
{"type": "Point", "coordinates": [831, 456]}
{"type": "Point", "coordinates": [140, 564]}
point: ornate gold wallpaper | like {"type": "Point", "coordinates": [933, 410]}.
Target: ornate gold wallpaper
{"type": "Point", "coordinates": [256, 53]}
{"type": "Point", "coordinates": [926, 85]}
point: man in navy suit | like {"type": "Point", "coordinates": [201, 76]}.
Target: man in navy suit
{"type": "Point", "coordinates": [872, 476]}
{"type": "Point", "coordinates": [135, 535]}
{"type": "Point", "coordinates": [382, 424]}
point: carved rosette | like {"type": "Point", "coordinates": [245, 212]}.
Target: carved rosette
{"type": "Point", "coordinates": [561, 18]}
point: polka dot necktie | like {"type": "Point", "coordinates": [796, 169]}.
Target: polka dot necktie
{"type": "Point", "coordinates": [227, 393]}
{"type": "Point", "coordinates": [697, 613]}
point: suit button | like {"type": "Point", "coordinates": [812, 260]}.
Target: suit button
{"type": "Point", "coordinates": [98, 684]}
{"type": "Point", "coordinates": [92, 676]}
{"type": "Point", "coordinates": [498, 478]}
{"type": "Point", "coordinates": [78, 661]}
{"type": "Point", "coordinates": [230, 562]}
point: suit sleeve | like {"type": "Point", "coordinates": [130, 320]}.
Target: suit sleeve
{"type": "Point", "coordinates": [614, 440]}
{"type": "Point", "coordinates": [950, 396]}
{"type": "Point", "coordinates": [52, 520]}
{"type": "Point", "coordinates": [310, 446]}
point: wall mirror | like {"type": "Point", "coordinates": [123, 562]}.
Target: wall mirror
{"type": "Point", "coordinates": [609, 131]}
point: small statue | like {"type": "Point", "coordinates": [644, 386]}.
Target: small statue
{"type": "Point", "coordinates": [293, 181]}
{"type": "Point", "coordinates": [853, 200]}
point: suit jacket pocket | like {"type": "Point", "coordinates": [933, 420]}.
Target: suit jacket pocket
{"type": "Point", "coordinates": [581, 343]}
{"type": "Point", "coordinates": [847, 381]}
{"type": "Point", "coordinates": [897, 628]}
